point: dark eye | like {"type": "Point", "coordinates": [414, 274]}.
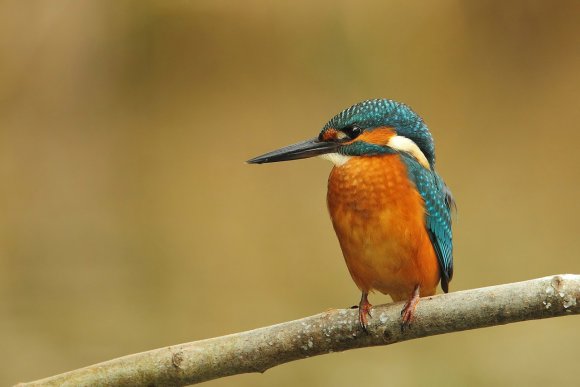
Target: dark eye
{"type": "Point", "coordinates": [353, 131]}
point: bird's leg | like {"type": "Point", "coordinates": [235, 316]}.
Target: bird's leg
{"type": "Point", "coordinates": [408, 312]}
{"type": "Point", "coordinates": [364, 310]}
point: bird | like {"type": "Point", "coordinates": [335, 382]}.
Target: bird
{"type": "Point", "coordinates": [390, 209]}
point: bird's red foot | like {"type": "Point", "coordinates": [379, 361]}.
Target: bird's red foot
{"type": "Point", "coordinates": [364, 310]}
{"type": "Point", "coordinates": [408, 312]}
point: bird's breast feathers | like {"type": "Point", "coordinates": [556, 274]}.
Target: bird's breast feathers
{"type": "Point", "coordinates": [379, 218]}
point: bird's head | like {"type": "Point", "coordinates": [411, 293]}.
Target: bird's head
{"type": "Point", "coordinates": [372, 127]}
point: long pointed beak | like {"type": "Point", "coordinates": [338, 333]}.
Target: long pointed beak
{"type": "Point", "coordinates": [302, 150]}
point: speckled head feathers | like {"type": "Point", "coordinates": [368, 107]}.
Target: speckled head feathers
{"type": "Point", "coordinates": [376, 113]}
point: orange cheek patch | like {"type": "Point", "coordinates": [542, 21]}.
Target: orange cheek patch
{"type": "Point", "coordinates": [378, 136]}
{"type": "Point", "coordinates": [329, 134]}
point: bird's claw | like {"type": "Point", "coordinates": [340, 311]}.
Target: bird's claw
{"type": "Point", "coordinates": [364, 311]}
{"type": "Point", "coordinates": [408, 311]}
{"type": "Point", "coordinates": [408, 315]}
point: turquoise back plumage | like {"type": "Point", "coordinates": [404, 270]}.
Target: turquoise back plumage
{"type": "Point", "coordinates": [438, 206]}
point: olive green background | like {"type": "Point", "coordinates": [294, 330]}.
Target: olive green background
{"type": "Point", "coordinates": [129, 220]}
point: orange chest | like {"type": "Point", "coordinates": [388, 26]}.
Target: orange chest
{"type": "Point", "coordinates": [379, 219]}
{"type": "Point", "coordinates": [366, 189]}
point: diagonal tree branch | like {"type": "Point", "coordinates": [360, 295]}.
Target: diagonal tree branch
{"type": "Point", "coordinates": [332, 331]}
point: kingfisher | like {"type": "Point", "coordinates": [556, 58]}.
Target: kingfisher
{"type": "Point", "coordinates": [390, 209]}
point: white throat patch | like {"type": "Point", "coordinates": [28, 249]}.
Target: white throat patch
{"type": "Point", "coordinates": [335, 158]}
{"type": "Point", "coordinates": [407, 145]}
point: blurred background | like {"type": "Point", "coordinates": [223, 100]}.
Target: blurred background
{"type": "Point", "coordinates": [129, 220]}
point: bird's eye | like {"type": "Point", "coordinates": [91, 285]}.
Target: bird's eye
{"type": "Point", "coordinates": [353, 131]}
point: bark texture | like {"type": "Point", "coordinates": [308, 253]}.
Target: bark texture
{"type": "Point", "coordinates": [332, 331]}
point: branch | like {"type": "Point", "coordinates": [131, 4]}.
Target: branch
{"type": "Point", "coordinates": [333, 331]}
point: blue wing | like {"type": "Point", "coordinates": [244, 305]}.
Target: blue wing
{"type": "Point", "coordinates": [438, 204]}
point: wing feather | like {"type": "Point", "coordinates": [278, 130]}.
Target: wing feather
{"type": "Point", "coordinates": [438, 204]}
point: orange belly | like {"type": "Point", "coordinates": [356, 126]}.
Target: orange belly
{"type": "Point", "coordinates": [379, 218]}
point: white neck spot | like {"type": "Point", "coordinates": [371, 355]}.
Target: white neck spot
{"type": "Point", "coordinates": [407, 145]}
{"type": "Point", "coordinates": [335, 158]}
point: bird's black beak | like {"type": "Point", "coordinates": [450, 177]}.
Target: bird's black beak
{"type": "Point", "coordinates": [302, 150]}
